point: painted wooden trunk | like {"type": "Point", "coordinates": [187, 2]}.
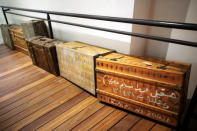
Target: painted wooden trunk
{"type": "Point", "coordinates": [17, 37]}
{"type": "Point", "coordinates": [6, 36]}
{"type": "Point", "coordinates": [34, 28]}
{"type": "Point", "coordinates": [42, 51]}
{"type": "Point", "coordinates": [77, 63]}
{"type": "Point", "coordinates": [153, 88]}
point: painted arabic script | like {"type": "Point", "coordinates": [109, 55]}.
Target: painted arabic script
{"type": "Point", "coordinates": [154, 96]}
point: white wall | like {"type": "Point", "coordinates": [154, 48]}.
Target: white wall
{"type": "Point", "coordinates": [164, 10]}
{"type": "Point", "coordinates": [116, 8]}
{"type": "Point", "coordinates": [185, 53]}
{"type": "Point", "coordinates": [1, 39]}
{"type": "Point", "coordinates": [142, 10]}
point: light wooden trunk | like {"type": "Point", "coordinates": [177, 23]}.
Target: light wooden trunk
{"type": "Point", "coordinates": [144, 86]}
{"type": "Point", "coordinates": [77, 63]}
{"type": "Point", "coordinates": [17, 37]}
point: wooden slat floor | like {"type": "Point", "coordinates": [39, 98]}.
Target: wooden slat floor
{"type": "Point", "coordinates": [33, 99]}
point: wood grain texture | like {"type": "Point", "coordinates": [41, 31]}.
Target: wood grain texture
{"type": "Point", "coordinates": [159, 127]}
{"type": "Point", "coordinates": [55, 113]}
{"type": "Point", "coordinates": [51, 89]}
{"type": "Point", "coordinates": [32, 99]}
{"type": "Point", "coordinates": [69, 92]}
{"type": "Point", "coordinates": [68, 114]}
{"type": "Point", "coordinates": [77, 63]}
{"type": "Point", "coordinates": [88, 111]}
{"type": "Point", "coordinates": [15, 69]}
{"type": "Point", "coordinates": [126, 123]}
{"type": "Point", "coordinates": [18, 39]}
{"type": "Point", "coordinates": [109, 121]}
{"type": "Point", "coordinates": [25, 88]}
{"type": "Point", "coordinates": [143, 125]}
{"type": "Point", "coordinates": [94, 119]}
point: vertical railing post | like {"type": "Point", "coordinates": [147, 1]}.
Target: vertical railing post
{"type": "Point", "coordinates": [5, 16]}
{"type": "Point", "coordinates": [50, 26]}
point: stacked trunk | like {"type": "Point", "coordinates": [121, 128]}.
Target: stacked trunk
{"type": "Point", "coordinates": [18, 40]}
{"type": "Point", "coordinates": [6, 36]}
{"type": "Point", "coordinates": [77, 63]}
{"type": "Point", "coordinates": [43, 53]}
{"type": "Point", "coordinates": [153, 88]}
{"type": "Point", "coordinates": [14, 35]}
{"type": "Point", "coordinates": [34, 28]}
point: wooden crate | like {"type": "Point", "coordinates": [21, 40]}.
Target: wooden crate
{"type": "Point", "coordinates": [17, 37]}
{"type": "Point", "coordinates": [147, 84]}
{"type": "Point", "coordinates": [77, 63]}
{"type": "Point", "coordinates": [43, 53]}
{"type": "Point", "coordinates": [34, 28]}
{"type": "Point", "coordinates": [6, 36]}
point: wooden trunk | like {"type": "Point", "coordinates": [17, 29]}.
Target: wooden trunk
{"type": "Point", "coordinates": [43, 53]}
{"type": "Point", "coordinates": [34, 28]}
{"type": "Point", "coordinates": [17, 37]}
{"type": "Point", "coordinates": [150, 87]}
{"type": "Point", "coordinates": [6, 36]}
{"type": "Point", "coordinates": [77, 63]}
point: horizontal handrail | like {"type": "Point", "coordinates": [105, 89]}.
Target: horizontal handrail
{"type": "Point", "coordinates": [166, 24]}
{"type": "Point", "coordinates": [181, 42]}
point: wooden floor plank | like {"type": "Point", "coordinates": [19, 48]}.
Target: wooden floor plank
{"type": "Point", "coordinates": [15, 73]}
{"type": "Point", "coordinates": [126, 123]}
{"type": "Point", "coordinates": [15, 69]}
{"type": "Point", "coordinates": [25, 88]}
{"type": "Point", "coordinates": [159, 127]}
{"type": "Point", "coordinates": [71, 92]}
{"type": "Point", "coordinates": [94, 119]}
{"type": "Point", "coordinates": [11, 63]}
{"type": "Point", "coordinates": [143, 125]}
{"type": "Point", "coordinates": [23, 100]}
{"type": "Point", "coordinates": [54, 95]}
{"type": "Point", "coordinates": [69, 124]}
{"type": "Point", "coordinates": [12, 60]}
{"type": "Point", "coordinates": [11, 81]}
{"type": "Point", "coordinates": [23, 81]}
{"type": "Point", "coordinates": [68, 114]}
{"type": "Point", "coordinates": [41, 94]}
{"type": "Point", "coordinates": [55, 112]}
{"type": "Point", "coordinates": [7, 53]}
{"type": "Point", "coordinates": [109, 121]}
{"type": "Point", "coordinates": [28, 90]}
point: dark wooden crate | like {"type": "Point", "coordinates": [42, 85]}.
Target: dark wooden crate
{"type": "Point", "coordinates": [43, 53]}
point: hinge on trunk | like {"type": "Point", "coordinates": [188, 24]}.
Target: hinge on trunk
{"type": "Point", "coordinates": [115, 59]}
{"type": "Point", "coordinates": [163, 67]}
{"type": "Point", "coordinates": [75, 48]}
{"type": "Point", "coordinates": [177, 87]}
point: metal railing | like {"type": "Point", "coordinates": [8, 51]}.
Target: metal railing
{"type": "Point", "coordinates": [164, 24]}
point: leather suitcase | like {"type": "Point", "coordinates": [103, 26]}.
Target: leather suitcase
{"type": "Point", "coordinates": [77, 63]}
{"type": "Point", "coordinates": [34, 28]}
{"type": "Point", "coordinates": [43, 53]}
{"type": "Point", "coordinates": [18, 40]}
{"type": "Point", "coordinates": [150, 87]}
{"type": "Point", "coordinates": [6, 36]}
